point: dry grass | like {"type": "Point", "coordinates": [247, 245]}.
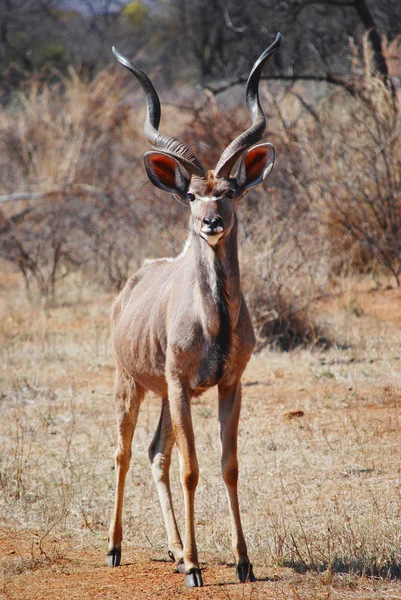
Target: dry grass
{"type": "Point", "coordinates": [320, 491]}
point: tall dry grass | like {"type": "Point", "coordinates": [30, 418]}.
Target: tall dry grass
{"type": "Point", "coordinates": [60, 133]}
{"type": "Point", "coordinates": [76, 142]}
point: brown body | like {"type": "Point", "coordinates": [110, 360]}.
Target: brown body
{"type": "Point", "coordinates": [181, 326]}
{"type": "Point", "coordinates": [168, 317]}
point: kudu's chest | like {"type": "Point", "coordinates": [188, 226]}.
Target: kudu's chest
{"type": "Point", "coordinates": [191, 326]}
{"type": "Point", "coordinates": [213, 350]}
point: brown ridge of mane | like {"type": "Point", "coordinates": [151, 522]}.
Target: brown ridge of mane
{"type": "Point", "coordinates": [210, 182]}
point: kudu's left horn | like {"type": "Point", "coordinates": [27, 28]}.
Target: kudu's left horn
{"type": "Point", "coordinates": [170, 146]}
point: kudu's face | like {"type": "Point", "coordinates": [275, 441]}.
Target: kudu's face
{"type": "Point", "coordinates": [211, 199]}
{"type": "Point", "coordinates": [212, 207]}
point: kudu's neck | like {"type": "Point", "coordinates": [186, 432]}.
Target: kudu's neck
{"type": "Point", "coordinates": [218, 278]}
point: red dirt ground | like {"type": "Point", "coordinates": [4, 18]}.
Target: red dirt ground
{"type": "Point", "coordinates": [71, 574]}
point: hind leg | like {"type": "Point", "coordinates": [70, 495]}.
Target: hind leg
{"type": "Point", "coordinates": [128, 395]}
{"type": "Point", "coordinates": [160, 458]}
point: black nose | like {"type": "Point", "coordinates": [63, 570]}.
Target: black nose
{"type": "Point", "coordinates": [213, 222]}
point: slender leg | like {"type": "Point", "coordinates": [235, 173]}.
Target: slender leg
{"type": "Point", "coordinates": [128, 396]}
{"type": "Point", "coordinates": [160, 458]}
{"type": "Point", "coordinates": [229, 412]}
{"type": "Point", "coordinates": [189, 471]}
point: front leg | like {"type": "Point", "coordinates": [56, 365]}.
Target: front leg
{"type": "Point", "coordinates": [229, 412]}
{"type": "Point", "coordinates": [181, 419]}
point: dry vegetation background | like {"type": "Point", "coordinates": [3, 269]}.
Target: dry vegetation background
{"type": "Point", "coordinates": [321, 270]}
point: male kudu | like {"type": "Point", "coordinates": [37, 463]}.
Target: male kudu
{"type": "Point", "coordinates": [181, 326]}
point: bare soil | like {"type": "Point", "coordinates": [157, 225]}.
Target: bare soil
{"type": "Point", "coordinates": [80, 574]}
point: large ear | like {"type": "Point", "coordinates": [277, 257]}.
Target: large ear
{"type": "Point", "coordinates": [165, 173]}
{"type": "Point", "coordinates": [255, 166]}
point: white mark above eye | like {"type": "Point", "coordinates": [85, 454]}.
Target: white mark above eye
{"type": "Point", "coordinates": [212, 199]}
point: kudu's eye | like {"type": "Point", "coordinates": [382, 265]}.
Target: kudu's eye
{"type": "Point", "coordinates": [230, 194]}
{"type": "Point", "coordinates": [191, 197]}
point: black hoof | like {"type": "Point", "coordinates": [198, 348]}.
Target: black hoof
{"type": "Point", "coordinates": [193, 578]}
{"type": "Point", "coordinates": [245, 573]}
{"type": "Point", "coordinates": [114, 557]}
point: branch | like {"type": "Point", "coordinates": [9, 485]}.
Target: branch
{"type": "Point", "coordinates": [229, 22]}
{"type": "Point", "coordinates": [23, 196]}
{"type": "Point", "coordinates": [77, 189]}
{"type": "Point", "coordinates": [306, 3]}
{"type": "Point", "coordinates": [328, 77]}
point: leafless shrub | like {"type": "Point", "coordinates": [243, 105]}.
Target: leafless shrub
{"type": "Point", "coordinates": [349, 171]}
{"type": "Point", "coordinates": [212, 129]}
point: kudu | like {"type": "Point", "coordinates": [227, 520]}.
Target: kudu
{"type": "Point", "coordinates": [181, 326]}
